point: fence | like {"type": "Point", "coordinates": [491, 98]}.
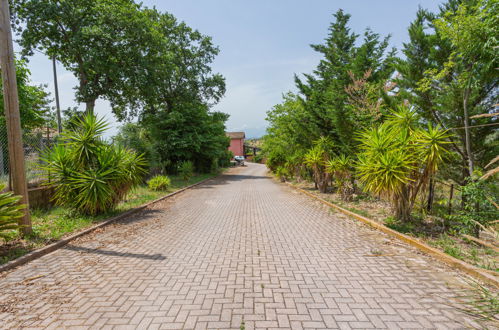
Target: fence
{"type": "Point", "coordinates": [34, 143]}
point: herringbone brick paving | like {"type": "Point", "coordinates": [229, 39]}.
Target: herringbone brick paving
{"type": "Point", "coordinates": [239, 252]}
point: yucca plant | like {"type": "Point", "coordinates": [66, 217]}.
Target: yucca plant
{"type": "Point", "coordinates": [282, 173]}
{"type": "Point", "coordinates": [159, 183]}
{"type": "Point", "coordinates": [88, 174]}
{"type": "Point", "coordinates": [10, 211]}
{"type": "Point", "coordinates": [316, 158]}
{"type": "Point", "coordinates": [398, 158]}
{"type": "Point", "coordinates": [341, 168]}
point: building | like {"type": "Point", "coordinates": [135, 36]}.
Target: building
{"type": "Point", "coordinates": [236, 143]}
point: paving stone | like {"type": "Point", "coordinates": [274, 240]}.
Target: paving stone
{"type": "Point", "coordinates": [241, 248]}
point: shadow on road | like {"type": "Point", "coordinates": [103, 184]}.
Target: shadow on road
{"type": "Point", "coordinates": [230, 178]}
{"type": "Point", "coordinates": [115, 253]}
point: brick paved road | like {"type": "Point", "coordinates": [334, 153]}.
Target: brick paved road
{"type": "Point", "coordinates": [239, 252]}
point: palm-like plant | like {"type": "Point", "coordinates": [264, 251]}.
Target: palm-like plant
{"type": "Point", "coordinates": [88, 174]}
{"type": "Point", "coordinates": [10, 211]}
{"type": "Point", "coordinates": [340, 167]}
{"type": "Point", "coordinates": [316, 159]}
{"type": "Point", "coordinates": [398, 159]}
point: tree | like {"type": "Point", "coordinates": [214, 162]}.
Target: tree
{"type": "Point", "coordinates": [436, 77]}
{"type": "Point", "coordinates": [317, 158]}
{"type": "Point", "coordinates": [188, 133]}
{"type": "Point", "coordinates": [33, 100]}
{"type": "Point", "coordinates": [180, 60]}
{"type": "Point", "coordinates": [398, 159]}
{"type": "Point", "coordinates": [99, 41]}
{"type": "Point", "coordinates": [323, 92]}
{"type": "Point", "coordinates": [289, 135]}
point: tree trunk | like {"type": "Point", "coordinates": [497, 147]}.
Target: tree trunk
{"type": "Point", "coordinates": [431, 193]}
{"type": "Point", "coordinates": [403, 206]}
{"type": "Point", "coordinates": [467, 130]}
{"type": "Point", "coordinates": [90, 105]}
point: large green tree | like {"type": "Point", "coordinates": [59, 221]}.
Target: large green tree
{"type": "Point", "coordinates": [188, 132]}
{"type": "Point", "coordinates": [99, 41]}
{"type": "Point", "coordinates": [344, 56]}
{"type": "Point", "coordinates": [178, 69]}
{"type": "Point", "coordinates": [449, 74]}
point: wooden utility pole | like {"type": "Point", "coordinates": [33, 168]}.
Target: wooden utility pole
{"type": "Point", "coordinates": [12, 116]}
{"type": "Point", "coordinates": [57, 104]}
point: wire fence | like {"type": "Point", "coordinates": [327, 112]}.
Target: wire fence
{"type": "Point", "coordinates": [35, 142]}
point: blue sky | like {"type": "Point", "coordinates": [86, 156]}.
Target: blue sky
{"type": "Point", "coordinates": [263, 43]}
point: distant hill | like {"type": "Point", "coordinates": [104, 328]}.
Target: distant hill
{"type": "Point", "coordinates": [254, 133]}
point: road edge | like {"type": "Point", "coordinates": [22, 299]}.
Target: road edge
{"type": "Point", "coordinates": [471, 270]}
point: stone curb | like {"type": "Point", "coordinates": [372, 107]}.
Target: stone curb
{"type": "Point", "coordinates": [451, 261]}
{"type": "Point", "coordinates": [57, 245]}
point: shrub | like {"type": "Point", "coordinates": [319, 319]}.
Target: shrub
{"type": "Point", "coordinates": [316, 158]}
{"type": "Point", "coordinates": [282, 173]}
{"type": "Point", "coordinates": [88, 174]}
{"type": "Point", "coordinates": [398, 159]}
{"type": "Point", "coordinates": [186, 170]}
{"type": "Point", "coordinates": [214, 168]}
{"type": "Point", "coordinates": [341, 168]}
{"type": "Point", "coordinates": [10, 211]}
{"type": "Point", "coordinates": [159, 183]}
{"type": "Point", "coordinates": [258, 158]}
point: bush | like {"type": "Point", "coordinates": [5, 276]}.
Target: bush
{"type": "Point", "coordinates": [159, 183]}
{"type": "Point", "coordinates": [186, 170]}
{"type": "Point", "coordinates": [282, 173]}
{"type": "Point", "coordinates": [214, 168]}
{"type": "Point", "coordinates": [10, 211]}
{"type": "Point", "coordinates": [88, 174]}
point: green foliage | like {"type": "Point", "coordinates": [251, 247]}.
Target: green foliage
{"type": "Point", "coordinates": [323, 93]}
{"type": "Point", "coordinates": [33, 100]}
{"type": "Point", "coordinates": [10, 211]}
{"type": "Point", "coordinates": [186, 170]}
{"type": "Point", "coordinates": [188, 132]}
{"type": "Point", "coordinates": [449, 74]}
{"type": "Point", "coordinates": [398, 158]}
{"type": "Point", "coordinates": [316, 159]}
{"type": "Point", "coordinates": [159, 183]}
{"type": "Point", "coordinates": [323, 108]}
{"type": "Point", "coordinates": [146, 63]}
{"type": "Point", "coordinates": [449, 246]}
{"type": "Point", "coordinates": [136, 137]}
{"type": "Point", "coordinates": [258, 158]}
{"type": "Point", "coordinates": [88, 174]}
{"type": "Point", "coordinates": [479, 210]}
{"type": "Point", "coordinates": [100, 41]}
{"type": "Point", "coordinates": [282, 173]}
{"type": "Point", "coordinates": [341, 168]}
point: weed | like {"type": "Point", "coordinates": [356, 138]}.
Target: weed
{"type": "Point", "coordinates": [482, 302]}
{"type": "Point", "coordinates": [400, 226]}
{"type": "Point", "coordinates": [449, 246]}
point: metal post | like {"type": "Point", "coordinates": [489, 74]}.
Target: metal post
{"type": "Point", "coordinates": [12, 116]}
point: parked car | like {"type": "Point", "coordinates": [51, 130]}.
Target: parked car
{"type": "Point", "coordinates": [239, 160]}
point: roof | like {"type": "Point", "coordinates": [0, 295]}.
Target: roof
{"type": "Point", "coordinates": [236, 135]}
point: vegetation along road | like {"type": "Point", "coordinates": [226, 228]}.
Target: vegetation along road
{"type": "Point", "coordinates": [241, 251]}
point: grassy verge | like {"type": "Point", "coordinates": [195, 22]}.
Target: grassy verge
{"type": "Point", "coordinates": [55, 223]}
